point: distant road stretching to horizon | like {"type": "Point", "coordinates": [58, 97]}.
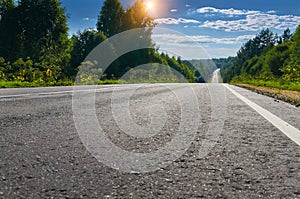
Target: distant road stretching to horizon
{"type": "Point", "coordinates": [256, 153]}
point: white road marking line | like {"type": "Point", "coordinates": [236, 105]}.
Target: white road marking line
{"type": "Point", "coordinates": [119, 87]}
{"type": "Point", "coordinates": [9, 96]}
{"type": "Point", "coordinates": [286, 128]}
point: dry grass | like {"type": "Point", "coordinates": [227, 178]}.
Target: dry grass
{"type": "Point", "coordinates": [292, 97]}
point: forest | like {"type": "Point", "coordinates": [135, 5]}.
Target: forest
{"type": "Point", "coordinates": [36, 50]}
{"type": "Point", "coordinates": [266, 60]}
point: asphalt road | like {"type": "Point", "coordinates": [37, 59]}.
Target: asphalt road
{"type": "Point", "coordinates": [215, 78]}
{"type": "Point", "coordinates": [43, 155]}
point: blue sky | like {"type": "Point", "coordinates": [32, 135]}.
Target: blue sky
{"type": "Point", "coordinates": [219, 27]}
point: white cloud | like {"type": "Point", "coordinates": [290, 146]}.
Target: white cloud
{"type": "Point", "coordinates": [175, 21]}
{"type": "Point", "coordinates": [188, 6]}
{"type": "Point", "coordinates": [245, 37]}
{"type": "Point", "coordinates": [230, 11]}
{"type": "Point", "coordinates": [198, 52]}
{"type": "Point", "coordinates": [255, 22]}
{"type": "Point", "coordinates": [185, 41]}
{"type": "Point", "coordinates": [91, 29]}
{"type": "Point", "coordinates": [88, 19]}
{"type": "Point", "coordinates": [198, 46]}
{"type": "Point", "coordinates": [173, 10]}
{"type": "Point", "coordinates": [221, 52]}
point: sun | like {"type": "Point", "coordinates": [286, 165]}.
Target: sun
{"type": "Point", "coordinates": [149, 5]}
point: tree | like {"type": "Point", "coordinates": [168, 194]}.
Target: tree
{"type": "Point", "coordinates": [114, 19]}
{"type": "Point", "coordinates": [83, 43]}
{"type": "Point", "coordinates": [261, 59]}
{"type": "Point", "coordinates": [5, 5]}
{"type": "Point", "coordinates": [292, 68]}
{"type": "Point", "coordinates": [110, 18]}
{"type": "Point", "coordinates": [44, 30]}
{"type": "Point", "coordinates": [141, 17]}
{"type": "Point", "coordinates": [266, 39]}
{"type": "Point", "coordinates": [34, 28]}
{"type": "Point", "coordinates": [9, 29]}
{"type": "Point", "coordinates": [287, 35]}
{"type": "Point", "coordinates": [36, 31]}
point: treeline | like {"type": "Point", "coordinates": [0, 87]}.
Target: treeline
{"type": "Point", "coordinates": [267, 57]}
{"type": "Point", "coordinates": [35, 47]}
{"type": "Point", "coordinates": [34, 43]}
{"type": "Point", "coordinates": [205, 67]}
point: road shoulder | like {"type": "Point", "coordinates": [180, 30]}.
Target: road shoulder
{"type": "Point", "coordinates": [292, 97]}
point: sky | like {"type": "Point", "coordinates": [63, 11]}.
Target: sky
{"type": "Point", "coordinates": [196, 29]}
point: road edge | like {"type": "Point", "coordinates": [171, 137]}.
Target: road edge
{"type": "Point", "coordinates": [272, 92]}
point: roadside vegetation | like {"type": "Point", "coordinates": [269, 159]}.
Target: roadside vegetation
{"type": "Point", "coordinates": [47, 56]}
{"type": "Point", "coordinates": [206, 67]}
{"type": "Point", "coordinates": [268, 60]}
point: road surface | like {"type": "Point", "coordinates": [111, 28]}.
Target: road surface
{"type": "Point", "coordinates": [215, 78]}
{"type": "Point", "coordinates": [42, 155]}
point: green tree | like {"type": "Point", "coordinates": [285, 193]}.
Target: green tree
{"type": "Point", "coordinates": [255, 47]}
{"type": "Point", "coordinates": [292, 68]}
{"type": "Point", "coordinates": [83, 43]}
{"type": "Point", "coordinates": [110, 18]}
{"type": "Point", "coordinates": [287, 35]}
{"type": "Point", "coordinates": [5, 5]}
{"type": "Point", "coordinates": [9, 30]}
{"type": "Point", "coordinates": [35, 31]}
{"type": "Point", "coordinates": [141, 16]}
{"type": "Point", "coordinates": [44, 30]}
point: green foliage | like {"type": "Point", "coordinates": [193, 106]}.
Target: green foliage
{"type": "Point", "coordinates": [3, 67]}
{"type": "Point", "coordinates": [137, 17]}
{"type": "Point", "coordinates": [34, 40]}
{"type": "Point", "coordinates": [35, 29]}
{"type": "Point", "coordinates": [9, 40]}
{"type": "Point", "coordinates": [89, 74]}
{"type": "Point", "coordinates": [35, 49]}
{"type": "Point", "coordinates": [28, 71]}
{"type": "Point", "coordinates": [113, 19]}
{"type": "Point", "coordinates": [83, 43]}
{"type": "Point", "coordinates": [225, 65]}
{"type": "Point", "coordinates": [42, 24]}
{"type": "Point", "coordinates": [284, 85]}
{"type": "Point", "coordinates": [110, 18]}
{"type": "Point", "coordinates": [18, 84]}
{"type": "Point", "coordinates": [205, 67]}
{"type": "Point", "coordinates": [291, 69]}
{"type": "Point", "coordinates": [287, 35]}
{"type": "Point", "coordinates": [267, 61]}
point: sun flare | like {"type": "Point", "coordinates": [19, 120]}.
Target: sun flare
{"type": "Point", "coordinates": [149, 5]}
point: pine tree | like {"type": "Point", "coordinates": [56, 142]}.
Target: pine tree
{"type": "Point", "coordinates": [287, 35]}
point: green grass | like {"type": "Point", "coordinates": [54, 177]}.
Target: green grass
{"type": "Point", "coordinates": [17, 84]}
{"type": "Point", "coordinates": [220, 78]}
{"type": "Point", "coordinates": [141, 81]}
{"type": "Point", "coordinates": [283, 85]}
{"type": "Point", "coordinates": [111, 81]}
